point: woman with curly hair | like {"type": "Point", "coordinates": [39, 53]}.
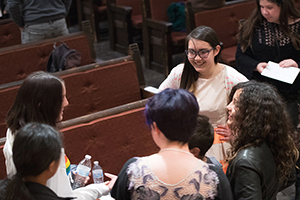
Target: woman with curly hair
{"type": "Point", "coordinates": [263, 154]}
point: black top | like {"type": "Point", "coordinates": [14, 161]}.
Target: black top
{"type": "Point", "coordinates": [37, 191]}
{"type": "Point", "coordinates": [224, 189]}
{"type": "Point", "coordinates": [265, 48]}
{"type": "Point", "coordinates": [119, 191]}
{"type": "Point", "coordinates": [252, 174]}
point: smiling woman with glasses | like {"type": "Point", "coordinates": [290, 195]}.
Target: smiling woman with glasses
{"type": "Point", "coordinates": [209, 80]}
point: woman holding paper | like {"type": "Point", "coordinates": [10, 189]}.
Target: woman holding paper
{"type": "Point", "coordinates": [271, 33]}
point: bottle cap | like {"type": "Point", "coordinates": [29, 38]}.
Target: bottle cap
{"type": "Point", "coordinates": [88, 156]}
{"type": "Point", "coordinates": [96, 162]}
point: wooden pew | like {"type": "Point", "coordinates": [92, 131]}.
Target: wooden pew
{"type": "Point", "coordinates": [91, 88]}
{"type": "Point", "coordinates": [10, 33]}
{"type": "Point", "coordinates": [160, 42]}
{"type": "Point", "coordinates": [225, 21]}
{"type": "Point", "coordinates": [110, 136]}
{"type": "Point", "coordinates": [94, 11]}
{"type": "Point", "coordinates": [125, 23]}
{"type": "Point", "coordinates": [18, 61]}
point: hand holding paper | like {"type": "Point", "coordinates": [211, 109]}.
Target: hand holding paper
{"type": "Point", "coordinates": [287, 75]}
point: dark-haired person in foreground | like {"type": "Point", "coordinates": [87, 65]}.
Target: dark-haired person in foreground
{"type": "Point", "coordinates": [42, 99]}
{"type": "Point", "coordinates": [199, 143]}
{"type": "Point", "coordinates": [263, 154]}
{"type": "Point", "coordinates": [36, 154]}
{"type": "Point", "coordinates": [173, 172]}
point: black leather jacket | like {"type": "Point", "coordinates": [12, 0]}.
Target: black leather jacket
{"type": "Point", "coordinates": [252, 174]}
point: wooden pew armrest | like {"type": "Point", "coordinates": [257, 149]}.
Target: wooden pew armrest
{"type": "Point", "coordinates": [160, 25]}
{"type": "Point", "coordinates": [123, 10]}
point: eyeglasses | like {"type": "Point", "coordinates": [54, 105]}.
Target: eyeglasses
{"type": "Point", "coordinates": [202, 53]}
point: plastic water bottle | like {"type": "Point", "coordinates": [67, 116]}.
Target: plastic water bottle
{"type": "Point", "coordinates": [83, 170]}
{"type": "Point", "coordinates": [97, 173]}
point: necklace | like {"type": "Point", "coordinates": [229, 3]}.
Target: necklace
{"type": "Point", "coordinates": [173, 149]}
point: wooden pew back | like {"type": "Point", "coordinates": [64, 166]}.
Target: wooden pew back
{"type": "Point", "coordinates": [90, 88]}
{"type": "Point", "coordinates": [225, 21]}
{"type": "Point", "coordinates": [18, 61]}
{"type": "Point", "coordinates": [10, 33]}
{"type": "Point", "coordinates": [111, 136]}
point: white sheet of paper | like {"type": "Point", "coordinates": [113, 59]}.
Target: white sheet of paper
{"type": "Point", "coordinates": [287, 75]}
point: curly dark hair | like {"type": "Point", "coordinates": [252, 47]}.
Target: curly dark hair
{"type": "Point", "coordinates": [261, 116]}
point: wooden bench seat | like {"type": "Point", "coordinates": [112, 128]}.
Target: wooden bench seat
{"type": "Point", "coordinates": [18, 61]}
{"type": "Point", "coordinates": [91, 88]}
{"type": "Point", "coordinates": [110, 136]}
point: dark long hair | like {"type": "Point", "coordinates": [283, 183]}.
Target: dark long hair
{"type": "Point", "coordinates": [35, 147]}
{"type": "Point", "coordinates": [288, 10]}
{"type": "Point", "coordinates": [39, 99]}
{"type": "Point", "coordinates": [190, 75]}
{"type": "Point", "coordinates": [261, 116]}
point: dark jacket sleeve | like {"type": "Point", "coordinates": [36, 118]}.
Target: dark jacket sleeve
{"type": "Point", "coordinates": [120, 190]}
{"type": "Point", "coordinates": [15, 11]}
{"type": "Point", "coordinates": [245, 62]}
{"type": "Point", "coordinates": [245, 181]}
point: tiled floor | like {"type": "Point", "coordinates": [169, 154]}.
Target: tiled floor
{"type": "Point", "coordinates": [103, 52]}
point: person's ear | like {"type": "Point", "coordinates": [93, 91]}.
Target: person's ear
{"type": "Point", "coordinates": [155, 128]}
{"type": "Point", "coordinates": [53, 167]}
{"type": "Point", "coordinates": [195, 151]}
{"type": "Point", "coordinates": [217, 50]}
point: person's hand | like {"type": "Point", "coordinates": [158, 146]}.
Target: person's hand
{"type": "Point", "coordinates": [288, 63]}
{"type": "Point", "coordinates": [86, 179]}
{"type": "Point", "coordinates": [261, 66]}
{"type": "Point", "coordinates": [223, 131]}
{"type": "Point", "coordinates": [112, 181]}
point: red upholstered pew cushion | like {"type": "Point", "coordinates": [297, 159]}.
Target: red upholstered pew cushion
{"type": "Point", "coordinates": [18, 63]}
{"type": "Point", "coordinates": [2, 164]}
{"type": "Point", "coordinates": [7, 98]}
{"type": "Point", "coordinates": [225, 21]}
{"type": "Point", "coordinates": [101, 88]}
{"type": "Point", "coordinates": [111, 140]}
{"type": "Point", "coordinates": [9, 34]}
{"type": "Point", "coordinates": [159, 8]}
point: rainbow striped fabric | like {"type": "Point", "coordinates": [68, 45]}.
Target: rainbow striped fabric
{"type": "Point", "coordinates": [68, 165]}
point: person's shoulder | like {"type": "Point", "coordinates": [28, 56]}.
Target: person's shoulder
{"type": "Point", "coordinates": [177, 69]}
{"type": "Point", "coordinates": [232, 73]}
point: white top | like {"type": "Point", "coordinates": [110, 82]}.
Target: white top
{"type": "Point", "coordinates": [59, 183]}
{"type": "Point", "coordinates": [212, 96]}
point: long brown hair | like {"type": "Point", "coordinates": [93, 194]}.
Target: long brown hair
{"type": "Point", "coordinates": [39, 99]}
{"type": "Point", "coordinates": [190, 75]}
{"type": "Point", "coordinates": [287, 11]}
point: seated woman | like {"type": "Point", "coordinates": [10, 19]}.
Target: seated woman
{"type": "Point", "coordinates": [209, 80]}
{"type": "Point", "coordinates": [42, 98]}
{"type": "Point", "coordinates": [36, 154]}
{"type": "Point", "coordinates": [263, 154]}
{"type": "Point", "coordinates": [172, 173]}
